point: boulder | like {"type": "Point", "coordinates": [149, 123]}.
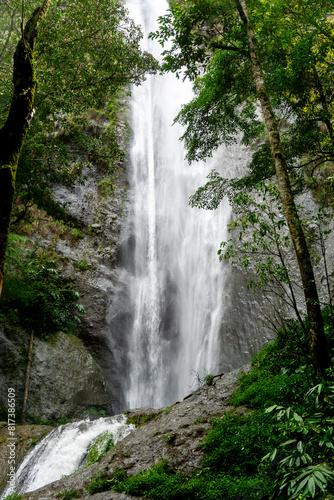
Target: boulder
{"type": "Point", "coordinates": [64, 381]}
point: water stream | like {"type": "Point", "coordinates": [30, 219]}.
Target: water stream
{"type": "Point", "coordinates": [175, 280]}
{"type": "Point", "coordinates": [63, 451]}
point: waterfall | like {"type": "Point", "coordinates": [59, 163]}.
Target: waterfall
{"type": "Point", "coordinates": [172, 275]}
{"type": "Point", "coordinates": [63, 451]}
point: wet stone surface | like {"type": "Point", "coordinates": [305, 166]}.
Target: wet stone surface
{"type": "Point", "coordinates": [173, 433]}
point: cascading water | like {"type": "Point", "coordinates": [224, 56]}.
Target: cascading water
{"type": "Point", "coordinates": [63, 451]}
{"type": "Point", "coordinates": [175, 280]}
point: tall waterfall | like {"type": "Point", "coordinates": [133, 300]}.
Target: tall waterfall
{"type": "Point", "coordinates": [174, 279]}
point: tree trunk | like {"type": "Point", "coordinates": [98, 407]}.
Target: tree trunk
{"type": "Point", "coordinates": [26, 384]}
{"type": "Point", "coordinates": [316, 328]}
{"type": "Point", "coordinates": [14, 131]}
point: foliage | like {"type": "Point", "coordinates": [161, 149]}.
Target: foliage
{"type": "Point", "coordinates": [68, 495]}
{"type": "Point", "coordinates": [306, 457]}
{"type": "Point", "coordinates": [95, 411]}
{"type": "Point", "coordinates": [83, 265]}
{"type": "Point", "coordinates": [36, 296]}
{"type": "Point", "coordinates": [101, 445]}
{"type": "Point", "coordinates": [260, 236]}
{"type": "Point", "coordinates": [163, 482]}
{"type": "Point", "coordinates": [260, 241]}
{"type": "Point", "coordinates": [98, 483]}
{"type": "Point", "coordinates": [14, 496]}
{"type": "Point", "coordinates": [139, 419]}
{"type": "Point", "coordinates": [84, 58]}
{"type": "Point", "coordinates": [206, 38]}
{"type": "Point", "coordinates": [282, 372]}
{"type": "Point", "coordinates": [243, 437]}
{"type": "Point", "coordinates": [208, 379]}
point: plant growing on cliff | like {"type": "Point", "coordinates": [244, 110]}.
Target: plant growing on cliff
{"type": "Point", "coordinates": [14, 496]}
{"type": "Point", "coordinates": [68, 495]}
{"type": "Point", "coordinates": [80, 56]}
{"type": "Point", "coordinates": [36, 296]}
{"type": "Point", "coordinates": [102, 444]}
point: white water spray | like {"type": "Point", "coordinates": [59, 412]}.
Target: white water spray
{"type": "Point", "coordinates": [63, 450]}
{"type": "Point", "coordinates": [177, 282]}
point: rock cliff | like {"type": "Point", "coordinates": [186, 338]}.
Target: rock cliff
{"type": "Point", "coordinates": [65, 381]}
{"type": "Point", "coordinates": [172, 434]}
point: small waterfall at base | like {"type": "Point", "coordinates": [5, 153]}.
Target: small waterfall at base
{"type": "Point", "coordinates": [172, 272]}
{"type": "Point", "coordinates": [63, 451]}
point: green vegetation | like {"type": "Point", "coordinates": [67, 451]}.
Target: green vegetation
{"type": "Point", "coordinates": [101, 445]}
{"type": "Point", "coordinates": [105, 187]}
{"type": "Point", "coordinates": [55, 423]}
{"type": "Point", "coordinates": [75, 102]}
{"type": "Point", "coordinates": [208, 379]}
{"type": "Point", "coordinates": [170, 438]}
{"type": "Point", "coordinates": [98, 484]}
{"type": "Point", "coordinates": [35, 295]}
{"type": "Point", "coordinates": [68, 495]}
{"type": "Point", "coordinates": [279, 447]}
{"type": "Point", "coordinates": [140, 419]}
{"type": "Point", "coordinates": [95, 411]}
{"type": "Point", "coordinates": [14, 496]}
{"type": "Point", "coordinates": [83, 265]}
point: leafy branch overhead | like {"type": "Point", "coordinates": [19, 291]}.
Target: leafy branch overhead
{"type": "Point", "coordinates": [248, 86]}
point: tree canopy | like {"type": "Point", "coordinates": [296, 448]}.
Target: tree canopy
{"type": "Point", "coordinates": [81, 56]}
{"type": "Point", "coordinates": [295, 47]}
{"type": "Point", "coordinates": [262, 72]}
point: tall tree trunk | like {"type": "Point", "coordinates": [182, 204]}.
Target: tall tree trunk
{"type": "Point", "coordinates": [316, 327]}
{"type": "Point", "coordinates": [14, 131]}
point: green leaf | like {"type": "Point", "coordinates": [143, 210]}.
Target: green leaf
{"type": "Point", "coordinates": [300, 447]}
{"type": "Point", "coordinates": [311, 486]}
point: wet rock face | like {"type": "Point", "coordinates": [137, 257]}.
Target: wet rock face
{"type": "Point", "coordinates": [64, 378]}
{"type": "Point", "coordinates": [92, 264]}
{"type": "Point", "coordinates": [172, 434]}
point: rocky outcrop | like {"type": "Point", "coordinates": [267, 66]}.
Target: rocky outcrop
{"type": "Point", "coordinates": [64, 378]}
{"type": "Point", "coordinates": [92, 263]}
{"type": "Point", "coordinates": [172, 434]}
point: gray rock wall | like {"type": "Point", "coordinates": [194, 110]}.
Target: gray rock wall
{"type": "Point", "coordinates": [65, 381]}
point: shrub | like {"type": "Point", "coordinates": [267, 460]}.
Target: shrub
{"type": "Point", "coordinates": [164, 483]}
{"type": "Point", "coordinates": [68, 495]}
{"type": "Point", "coordinates": [236, 443]}
{"type": "Point", "coordinates": [98, 484]}
{"type": "Point", "coordinates": [36, 296]}
{"type": "Point", "coordinates": [283, 371]}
